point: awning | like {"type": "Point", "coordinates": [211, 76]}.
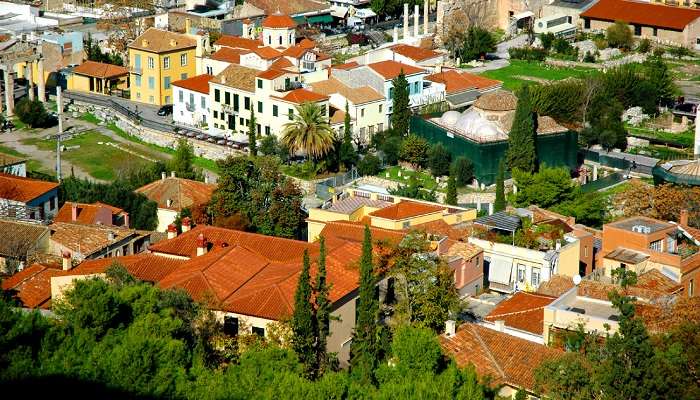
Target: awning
{"type": "Point", "coordinates": [523, 15]}
{"type": "Point", "coordinates": [364, 13]}
{"type": "Point", "coordinates": [500, 270]}
{"type": "Point", "coordinates": [462, 99]}
{"type": "Point", "coordinates": [320, 19]}
{"type": "Point", "coordinates": [339, 11]}
{"type": "Point", "coordinates": [300, 20]}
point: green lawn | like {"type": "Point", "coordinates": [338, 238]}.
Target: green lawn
{"type": "Point", "coordinates": [91, 118]}
{"type": "Point", "coordinates": [424, 178]}
{"type": "Point", "coordinates": [32, 165]}
{"type": "Point", "coordinates": [511, 76]}
{"type": "Point", "coordinates": [684, 138]}
{"type": "Point", "coordinates": [101, 161]}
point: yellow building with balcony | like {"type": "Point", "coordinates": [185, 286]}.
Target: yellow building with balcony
{"type": "Point", "coordinates": [156, 59]}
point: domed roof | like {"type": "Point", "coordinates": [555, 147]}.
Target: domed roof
{"type": "Point", "coordinates": [689, 167]}
{"type": "Point", "coordinates": [278, 20]}
{"type": "Point", "coordinates": [498, 100]}
{"type": "Point", "coordinates": [473, 123]}
{"type": "Point", "coordinates": [449, 118]}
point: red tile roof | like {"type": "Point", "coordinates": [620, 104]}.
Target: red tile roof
{"type": "Point", "coordinates": [556, 285]}
{"type": "Point", "coordinates": [406, 209]}
{"type": "Point", "coordinates": [295, 52]}
{"type": "Point", "coordinates": [182, 192]}
{"type": "Point", "coordinates": [642, 13]}
{"type": "Point", "coordinates": [238, 42]}
{"type": "Point", "coordinates": [300, 96]}
{"type": "Point", "coordinates": [456, 82]}
{"type": "Point", "coordinates": [22, 189]}
{"type": "Point", "coordinates": [348, 65]}
{"type": "Point", "coordinates": [281, 64]}
{"type": "Point", "coordinates": [524, 311]}
{"type": "Point", "coordinates": [199, 83]}
{"type": "Point", "coordinates": [355, 232]}
{"type": "Point", "coordinates": [278, 20]}
{"type": "Point", "coordinates": [267, 53]}
{"type": "Point", "coordinates": [32, 285]}
{"type": "Point", "coordinates": [270, 74]}
{"type": "Point", "coordinates": [307, 43]}
{"type": "Point", "coordinates": [229, 55]}
{"type": "Point", "coordinates": [414, 53]}
{"type": "Point", "coordinates": [289, 7]}
{"type": "Point", "coordinates": [392, 69]}
{"type": "Point", "coordinates": [100, 70]}
{"type": "Point", "coordinates": [86, 212]}
{"type": "Point", "coordinates": [507, 359]}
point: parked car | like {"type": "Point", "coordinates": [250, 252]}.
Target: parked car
{"type": "Point", "coordinates": [200, 136]}
{"type": "Point", "coordinates": [190, 134]}
{"type": "Point", "coordinates": [165, 110]}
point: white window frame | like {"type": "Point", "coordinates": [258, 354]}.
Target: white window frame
{"type": "Point", "coordinates": [183, 59]}
{"type": "Point", "coordinates": [151, 63]}
{"type": "Point", "coordinates": [166, 62]}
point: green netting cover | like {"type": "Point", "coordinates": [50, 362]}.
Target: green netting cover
{"type": "Point", "coordinates": [662, 175]}
{"type": "Point", "coordinates": [555, 150]}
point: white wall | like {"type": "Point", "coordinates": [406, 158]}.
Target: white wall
{"type": "Point", "coordinates": [199, 114]}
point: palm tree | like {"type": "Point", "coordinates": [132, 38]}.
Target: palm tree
{"type": "Point", "coordinates": [309, 131]}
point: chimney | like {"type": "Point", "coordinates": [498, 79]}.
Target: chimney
{"type": "Point", "coordinates": [395, 35]}
{"type": "Point", "coordinates": [163, 175]}
{"type": "Point", "coordinates": [110, 236]}
{"type": "Point", "coordinates": [173, 42]}
{"type": "Point", "coordinates": [172, 174]}
{"type": "Point", "coordinates": [186, 224]}
{"type": "Point", "coordinates": [405, 21]}
{"type": "Point", "coordinates": [126, 220]}
{"type": "Point", "coordinates": [73, 211]}
{"type": "Point", "coordinates": [500, 325]}
{"type": "Point", "coordinates": [169, 203]}
{"type": "Point", "coordinates": [201, 245]}
{"type": "Point", "coordinates": [684, 217]}
{"type": "Point", "coordinates": [172, 231]}
{"type": "Point", "coordinates": [450, 328]}
{"type": "Point", "coordinates": [188, 25]}
{"type": "Point", "coordinates": [67, 262]}
{"type": "Point", "coordinates": [144, 43]}
{"type": "Point", "coordinates": [416, 19]}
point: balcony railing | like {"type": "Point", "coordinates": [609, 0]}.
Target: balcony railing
{"type": "Point", "coordinates": [137, 71]}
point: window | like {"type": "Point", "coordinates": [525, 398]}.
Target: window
{"type": "Point", "coordinates": [269, 39]}
{"type": "Point", "coordinates": [137, 81]}
{"type": "Point", "coordinates": [241, 121]}
{"type": "Point", "coordinates": [210, 70]}
{"type": "Point", "coordinates": [259, 83]}
{"type": "Point", "coordinates": [180, 96]}
{"type": "Point", "coordinates": [259, 331]}
{"type": "Point", "coordinates": [203, 102]}
{"type": "Point", "coordinates": [406, 224]}
{"type": "Point", "coordinates": [362, 112]}
{"type": "Point", "coordinates": [166, 62]}
{"type": "Point", "coordinates": [290, 114]}
{"type": "Point", "coordinates": [166, 82]}
{"type": "Point", "coordinates": [151, 63]}
{"type": "Point", "coordinates": [380, 127]}
{"type": "Point", "coordinates": [323, 110]}
{"type": "Point", "coordinates": [267, 131]}
{"type": "Point", "coordinates": [217, 95]}
{"type": "Point", "coordinates": [231, 122]}
{"type": "Point", "coordinates": [192, 99]}
{"type": "Point", "coordinates": [230, 325]}
{"type": "Point", "coordinates": [227, 98]}
{"type": "Point", "coordinates": [655, 32]}
{"type": "Point", "coordinates": [274, 110]}
{"type": "Point", "coordinates": [691, 288]}
{"type": "Point", "coordinates": [246, 103]}
{"type": "Point", "coordinates": [138, 95]}
{"type": "Point", "coordinates": [586, 23]}
{"type": "Point", "coordinates": [260, 107]}
{"type": "Point", "coordinates": [52, 204]}
{"type": "Point", "coordinates": [521, 273]}
{"type": "Point", "coordinates": [183, 59]}
{"type": "Point", "coordinates": [656, 245]}
{"type": "Point", "coordinates": [151, 100]}
{"type": "Point", "coordinates": [235, 102]}
{"type": "Point", "coordinates": [216, 114]}
{"type": "Point", "coordinates": [362, 133]}
{"type": "Point", "coordinates": [137, 61]}
{"type": "Point", "coordinates": [257, 129]}
{"type": "Point", "coordinates": [280, 39]}
{"type": "Point", "coordinates": [637, 30]}
{"type": "Point", "coordinates": [151, 82]}
{"type": "Point", "coordinates": [416, 88]}
{"type": "Point", "coordinates": [183, 75]}
{"type": "Point", "coordinates": [381, 106]}
{"type": "Point", "coordinates": [535, 277]}
{"type": "Point", "coordinates": [585, 251]}
{"type": "Point", "coordinates": [391, 93]}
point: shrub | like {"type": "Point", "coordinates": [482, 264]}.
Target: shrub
{"type": "Point", "coordinates": [527, 53]}
{"type": "Point", "coordinates": [32, 113]}
{"type": "Point", "coordinates": [659, 52]}
{"type": "Point", "coordinates": [439, 160]}
{"type": "Point", "coordinates": [369, 165]}
{"type": "Point", "coordinates": [547, 39]}
{"type": "Point", "coordinates": [562, 46]}
{"type": "Point", "coordinates": [619, 35]}
{"type": "Point", "coordinates": [679, 51]}
{"type": "Point", "coordinates": [644, 46]}
{"type": "Point", "coordinates": [589, 58]}
{"type": "Point", "coordinates": [600, 43]}
{"type": "Point", "coordinates": [463, 171]}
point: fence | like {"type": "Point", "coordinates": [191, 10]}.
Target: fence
{"type": "Point", "coordinates": [603, 183]}
{"type": "Point", "coordinates": [622, 161]}
{"type": "Point", "coordinates": [326, 188]}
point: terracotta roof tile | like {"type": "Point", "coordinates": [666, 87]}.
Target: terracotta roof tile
{"type": "Point", "coordinates": [270, 74]}
{"type": "Point", "coordinates": [86, 213]}
{"type": "Point", "coordinates": [88, 239]}
{"type": "Point", "coordinates": [32, 285]}
{"type": "Point", "coordinates": [267, 53]}
{"type": "Point", "coordinates": [355, 232]}
{"type": "Point", "coordinates": [307, 43]}
{"type": "Point", "coordinates": [415, 53]}
{"type": "Point", "coordinates": [229, 55]}
{"type": "Point", "coordinates": [507, 359]}
{"type": "Point", "coordinates": [346, 66]}
{"type": "Point", "coordinates": [278, 20]}
{"type": "Point", "coordinates": [289, 7]}
{"type": "Point", "coordinates": [442, 228]}
{"type": "Point", "coordinates": [337, 116]}
{"type": "Point", "coordinates": [22, 189]}
{"type": "Point", "coordinates": [161, 41]}
{"type": "Point", "coordinates": [358, 95]}
{"type": "Point", "coordinates": [100, 70]}
{"type": "Point", "coordinates": [237, 42]}
{"type": "Point", "coordinates": [392, 69]}
{"type": "Point", "coordinates": [281, 63]}
{"type": "Point", "coordinates": [465, 250]}
{"type": "Point", "coordinates": [17, 239]}
{"type": "Point", "coordinates": [556, 285]}
{"type": "Point", "coordinates": [499, 100]}
{"type": "Point", "coordinates": [456, 82]}
{"type": "Point", "coordinates": [524, 311]}
{"type": "Point", "coordinates": [642, 13]}
{"type": "Point", "coordinates": [300, 96]}
{"type": "Point", "coordinates": [295, 52]}
{"type": "Point", "coordinates": [181, 192]}
{"type": "Point", "coordinates": [199, 83]}
{"type": "Point", "coordinates": [406, 209]}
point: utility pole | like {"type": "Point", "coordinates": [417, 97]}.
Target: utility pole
{"type": "Point", "coordinates": [59, 109]}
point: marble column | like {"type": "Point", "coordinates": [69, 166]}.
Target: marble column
{"type": "Point", "coordinates": [30, 79]}
{"type": "Point", "coordinates": [42, 81]}
{"type": "Point", "coordinates": [426, 19]}
{"type": "Point", "coordinates": [416, 20]}
{"type": "Point", "coordinates": [10, 91]}
{"type": "Point", "coordinates": [405, 21]}
{"type": "Point", "coordinates": [2, 106]}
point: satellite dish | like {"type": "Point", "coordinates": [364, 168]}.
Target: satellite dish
{"type": "Point", "coordinates": [577, 279]}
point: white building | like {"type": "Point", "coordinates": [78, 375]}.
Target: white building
{"type": "Point", "coordinates": [191, 101]}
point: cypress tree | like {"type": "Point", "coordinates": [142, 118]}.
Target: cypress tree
{"type": "Point", "coordinates": [401, 112]}
{"type": "Point", "coordinates": [348, 155]}
{"type": "Point", "coordinates": [303, 320]}
{"type": "Point", "coordinates": [521, 152]}
{"type": "Point", "coordinates": [500, 203]}
{"type": "Point", "coordinates": [451, 197]}
{"type": "Point", "coordinates": [323, 310]}
{"type": "Point", "coordinates": [252, 135]}
{"type": "Point", "coordinates": [364, 350]}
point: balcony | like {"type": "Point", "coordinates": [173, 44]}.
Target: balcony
{"type": "Point", "coordinates": [136, 71]}
{"type": "Point", "coordinates": [189, 107]}
{"type": "Point", "coordinates": [228, 109]}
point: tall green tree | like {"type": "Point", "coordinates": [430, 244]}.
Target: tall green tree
{"type": "Point", "coordinates": [32, 113]}
{"type": "Point", "coordinates": [463, 170]}
{"type": "Point", "coordinates": [304, 321]}
{"type": "Point", "coordinates": [451, 197]}
{"type": "Point", "coordinates": [365, 349]}
{"type": "Point", "coordinates": [479, 41]}
{"type": "Point", "coordinates": [252, 134]}
{"type": "Point", "coordinates": [323, 311]}
{"type": "Point", "coordinates": [414, 149]}
{"type": "Point", "coordinates": [521, 152]}
{"type": "Point", "coordinates": [439, 160]}
{"type": "Point", "coordinates": [619, 35]}
{"type": "Point", "coordinates": [401, 111]}
{"type": "Point", "coordinates": [547, 187]}
{"type": "Point", "coordinates": [182, 162]}
{"type": "Point", "coordinates": [348, 155]}
{"type": "Point", "coordinates": [309, 131]}
{"type": "Point", "coordinates": [500, 203]}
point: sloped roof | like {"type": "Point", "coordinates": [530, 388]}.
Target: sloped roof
{"type": "Point", "coordinates": [267, 53]}
{"type": "Point", "coordinates": [86, 212]}
{"type": "Point", "coordinates": [278, 20]}
{"type": "Point", "coordinates": [238, 42]}
{"type": "Point", "coordinates": [456, 82]}
{"type": "Point", "coordinates": [182, 192]}
{"type": "Point", "coordinates": [229, 55]}
{"type": "Point", "coordinates": [18, 238]}
{"type": "Point", "coordinates": [524, 311]}
{"type": "Point", "coordinates": [556, 285]}
{"type": "Point", "coordinates": [406, 209]}
{"type": "Point", "coordinates": [507, 359]}
{"type": "Point", "coordinates": [355, 231]}
{"type": "Point", "coordinates": [100, 70]}
{"type": "Point", "coordinates": [415, 53]}
{"type": "Point", "coordinates": [22, 189]}
{"type": "Point", "coordinates": [642, 13]}
{"type": "Point", "coordinates": [199, 83]}
{"type": "Point", "coordinates": [270, 74]}
{"type": "Point", "coordinates": [358, 95]}
{"type": "Point", "coordinates": [237, 76]}
{"type": "Point", "coordinates": [465, 250]}
{"type": "Point", "coordinates": [87, 239]}
{"type": "Point", "coordinates": [161, 41]}
{"type": "Point", "coordinates": [300, 96]}
{"type": "Point", "coordinates": [499, 100]}
{"type": "Point", "coordinates": [391, 69]}
{"type": "Point", "coordinates": [295, 52]}
{"type": "Point", "coordinates": [307, 43]}
{"type": "Point", "coordinates": [289, 7]}
{"type": "Point", "coordinates": [32, 285]}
